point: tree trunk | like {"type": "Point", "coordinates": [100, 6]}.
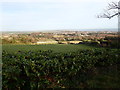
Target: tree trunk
{"type": "Point", "coordinates": [119, 18]}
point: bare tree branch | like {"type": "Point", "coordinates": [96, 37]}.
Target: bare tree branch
{"type": "Point", "coordinates": [113, 7]}
{"type": "Point", "coordinates": [114, 15]}
{"type": "Point", "coordinates": [108, 15]}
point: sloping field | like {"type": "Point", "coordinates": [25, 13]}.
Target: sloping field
{"type": "Point", "coordinates": [54, 47]}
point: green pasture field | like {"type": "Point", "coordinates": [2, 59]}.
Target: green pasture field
{"type": "Point", "coordinates": [53, 47]}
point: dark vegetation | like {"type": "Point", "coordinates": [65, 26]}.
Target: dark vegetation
{"type": "Point", "coordinates": [113, 42]}
{"type": "Point", "coordinates": [32, 70]}
{"type": "Point", "coordinates": [108, 42]}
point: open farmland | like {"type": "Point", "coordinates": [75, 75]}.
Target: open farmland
{"type": "Point", "coordinates": [56, 48]}
{"type": "Point", "coordinates": [67, 64]}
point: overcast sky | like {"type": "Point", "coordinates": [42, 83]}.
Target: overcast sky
{"type": "Point", "coordinates": [21, 15]}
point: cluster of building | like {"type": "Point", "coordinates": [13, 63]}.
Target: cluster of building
{"type": "Point", "coordinates": [56, 37]}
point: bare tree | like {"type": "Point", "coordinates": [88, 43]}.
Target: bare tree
{"type": "Point", "coordinates": [112, 10]}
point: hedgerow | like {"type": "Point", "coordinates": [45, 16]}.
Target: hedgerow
{"type": "Point", "coordinates": [47, 69]}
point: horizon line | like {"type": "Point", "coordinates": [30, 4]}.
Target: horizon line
{"type": "Point", "coordinates": [101, 29]}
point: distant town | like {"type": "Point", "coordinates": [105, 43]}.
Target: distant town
{"type": "Point", "coordinates": [57, 37]}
